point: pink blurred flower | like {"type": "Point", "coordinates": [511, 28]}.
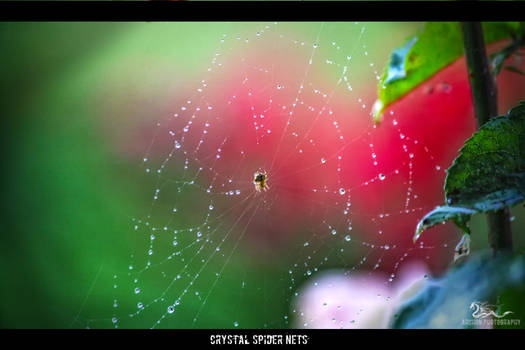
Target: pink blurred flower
{"type": "Point", "coordinates": [335, 299]}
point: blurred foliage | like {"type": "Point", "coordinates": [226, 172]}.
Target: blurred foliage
{"type": "Point", "coordinates": [481, 278]}
{"type": "Point", "coordinates": [423, 55]}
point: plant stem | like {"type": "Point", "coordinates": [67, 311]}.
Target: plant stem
{"type": "Point", "coordinates": [482, 84]}
{"type": "Point", "coordinates": [484, 96]}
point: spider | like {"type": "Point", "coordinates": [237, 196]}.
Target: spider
{"type": "Point", "coordinates": [260, 180]}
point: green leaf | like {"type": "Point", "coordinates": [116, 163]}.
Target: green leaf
{"type": "Point", "coordinates": [423, 55]}
{"type": "Point", "coordinates": [441, 214]}
{"type": "Point", "coordinates": [488, 175]}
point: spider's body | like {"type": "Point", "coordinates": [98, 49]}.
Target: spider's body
{"type": "Point", "coordinates": [260, 180]}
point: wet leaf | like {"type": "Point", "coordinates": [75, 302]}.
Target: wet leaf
{"type": "Point", "coordinates": [488, 175]}
{"type": "Point", "coordinates": [426, 53]}
{"type": "Point", "coordinates": [444, 213]}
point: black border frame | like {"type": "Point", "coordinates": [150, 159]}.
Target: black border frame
{"type": "Point", "coordinates": [262, 11]}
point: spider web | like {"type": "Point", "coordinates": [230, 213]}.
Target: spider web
{"type": "Point", "coordinates": [212, 251]}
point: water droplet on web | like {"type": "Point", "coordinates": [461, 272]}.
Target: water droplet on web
{"type": "Point", "coordinates": [342, 191]}
{"type": "Point", "coordinates": [382, 177]}
{"type": "Point", "coordinates": [348, 238]}
{"type": "Point", "coordinates": [211, 207]}
{"type": "Point", "coordinates": [334, 232]}
{"type": "Point", "coordinates": [444, 87]}
{"type": "Point", "coordinates": [114, 320]}
{"type": "Point", "coordinates": [171, 309]}
{"type": "Point", "coordinates": [140, 305]}
{"type": "Point", "coordinates": [323, 160]}
{"type": "Point", "coordinates": [236, 324]}
{"type": "Point", "coordinates": [438, 167]}
{"type": "Point", "coordinates": [137, 290]}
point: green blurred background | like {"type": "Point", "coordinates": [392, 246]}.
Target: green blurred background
{"type": "Point", "coordinates": [70, 92]}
